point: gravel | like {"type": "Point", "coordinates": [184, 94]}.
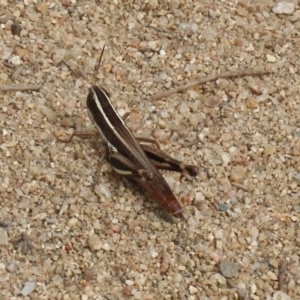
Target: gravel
{"type": "Point", "coordinates": [68, 233]}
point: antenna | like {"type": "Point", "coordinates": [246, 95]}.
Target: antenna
{"type": "Point", "coordinates": [99, 61]}
{"type": "Point", "coordinates": [78, 75]}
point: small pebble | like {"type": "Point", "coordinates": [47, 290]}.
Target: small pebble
{"type": "Point", "coordinates": [63, 208]}
{"type": "Point", "coordinates": [296, 208]}
{"type": "Point", "coordinates": [272, 276]}
{"type": "Point", "coordinates": [28, 288]}
{"type": "Point", "coordinates": [223, 207]}
{"type": "Point", "coordinates": [228, 268]}
{"type": "Point", "coordinates": [50, 115]}
{"type": "Point", "coordinates": [226, 158]}
{"type": "Point", "coordinates": [153, 253]}
{"type": "Point", "coordinates": [281, 296]}
{"type": "Point", "coordinates": [251, 103]}
{"type": "Point", "coordinates": [12, 267]}
{"type": "Point", "coordinates": [269, 150]}
{"type": "Point", "coordinates": [243, 293]}
{"type": "Point", "coordinates": [103, 190]}
{"type": "Point", "coordinates": [297, 176]}
{"type": "Point", "coordinates": [215, 257]}
{"type": "Point", "coordinates": [253, 288]}
{"type": "Point", "coordinates": [162, 52]}
{"type": "Point", "coordinates": [127, 290]}
{"type": "Point", "coordinates": [72, 222]}
{"type": "Point", "coordinates": [67, 122]}
{"type": "Point", "coordinates": [89, 274]}
{"type": "Point", "coordinates": [106, 247]}
{"type": "Point", "coordinates": [58, 55]}
{"type": "Point", "coordinates": [273, 262]}
{"type": "Point", "coordinates": [184, 109]}
{"type": "Point", "coordinates": [220, 279]}
{"type": "Point", "coordinates": [116, 228]}
{"type": "Point", "coordinates": [194, 120]}
{"type": "Point", "coordinates": [3, 237]}
{"type": "Point", "coordinates": [3, 79]}
{"type": "Point", "coordinates": [16, 28]}
{"type": "Point", "coordinates": [42, 7]}
{"type": "Point", "coordinates": [15, 60]}
{"type": "Point", "coordinates": [193, 290]}
{"type": "Point", "coordinates": [284, 7]}
{"type": "Point", "coordinates": [270, 58]}
{"type": "Point", "coordinates": [260, 87]}
{"type": "Point", "coordinates": [164, 265]}
{"type": "Point", "coordinates": [129, 282]}
{"type": "Point", "coordinates": [94, 242]}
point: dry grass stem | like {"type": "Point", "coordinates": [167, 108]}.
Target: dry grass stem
{"type": "Point", "coordinates": [208, 79]}
{"type": "Point", "coordinates": [19, 87]}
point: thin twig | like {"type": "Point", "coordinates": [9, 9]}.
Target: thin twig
{"type": "Point", "coordinates": [208, 79]}
{"type": "Point", "coordinates": [8, 65]}
{"type": "Point", "coordinates": [19, 87]}
{"type": "Point", "coordinates": [82, 134]}
{"type": "Point", "coordinates": [240, 186]}
{"type": "Point", "coordinates": [281, 273]}
{"type": "Point", "coordinates": [191, 143]}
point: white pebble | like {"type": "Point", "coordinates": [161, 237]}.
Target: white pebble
{"type": "Point", "coordinates": [183, 108]}
{"type": "Point", "coordinates": [129, 282]}
{"type": "Point", "coordinates": [271, 58]}
{"type": "Point", "coordinates": [72, 222]}
{"type": "Point", "coordinates": [194, 120]}
{"type": "Point", "coordinates": [106, 247]}
{"type": "Point", "coordinates": [28, 288]}
{"type": "Point", "coordinates": [284, 7]}
{"type": "Point", "coordinates": [272, 276]}
{"type": "Point", "coordinates": [103, 190]}
{"type": "Point", "coordinates": [220, 279]}
{"type": "Point", "coordinates": [131, 25]}
{"type": "Point", "coordinates": [152, 45]}
{"type": "Point", "coordinates": [4, 132]}
{"type": "Point", "coordinates": [94, 242]}
{"type": "Point", "coordinates": [253, 288]}
{"type": "Point", "coordinates": [15, 60]}
{"type": "Point", "coordinates": [192, 290]}
{"type": "Point", "coordinates": [281, 296]}
{"type": "Point", "coordinates": [63, 208]}
{"type": "Point", "coordinates": [237, 210]}
{"type": "Point", "coordinates": [162, 52]}
{"type": "Point", "coordinates": [59, 55]}
{"type": "Point", "coordinates": [164, 114]}
{"type": "Point", "coordinates": [226, 158]}
{"type": "Point", "coordinates": [199, 196]}
{"type": "Point", "coordinates": [153, 253]}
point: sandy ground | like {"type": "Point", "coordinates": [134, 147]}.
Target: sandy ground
{"type": "Point", "coordinates": [65, 234]}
